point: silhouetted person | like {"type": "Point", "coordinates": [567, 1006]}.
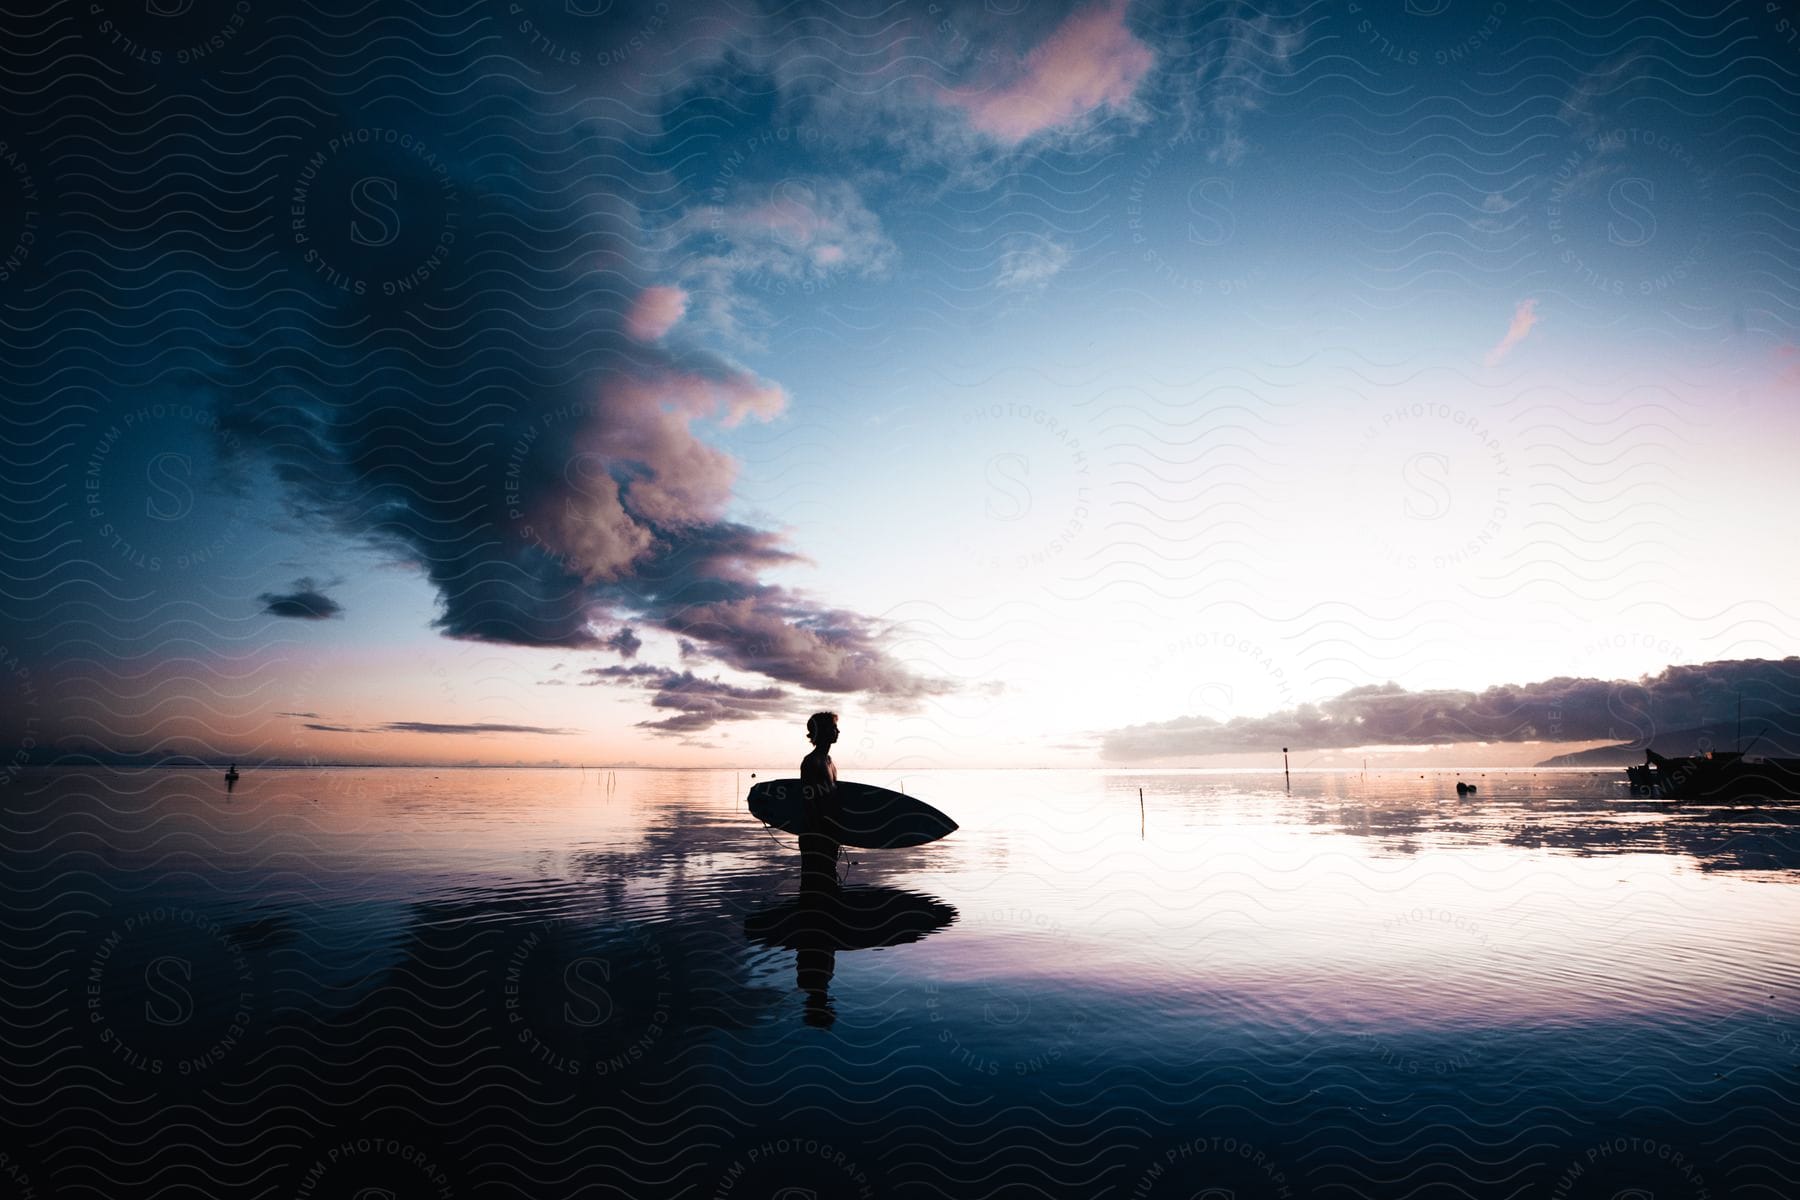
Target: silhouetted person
{"type": "Point", "coordinates": [818, 782]}
{"type": "Point", "coordinates": [231, 778]}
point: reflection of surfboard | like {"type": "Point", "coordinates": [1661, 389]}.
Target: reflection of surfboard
{"type": "Point", "coordinates": [856, 918]}
{"type": "Point", "coordinates": [871, 817]}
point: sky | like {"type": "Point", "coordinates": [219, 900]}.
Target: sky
{"type": "Point", "coordinates": [1032, 384]}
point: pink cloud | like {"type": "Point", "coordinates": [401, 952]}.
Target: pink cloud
{"type": "Point", "coordinates": [1090, 61]}
{"type": "Point", "coordinates": [1788, 356]}
{"type": "Point", "coordinates": [1524, 317]}
{"type": "Point", "coordinates": [655, 311]}
{"type": "Point", "coordinates": [640, 468]}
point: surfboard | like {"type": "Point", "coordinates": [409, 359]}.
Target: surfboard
{"type": "Point", "coordinates": [873, 818]}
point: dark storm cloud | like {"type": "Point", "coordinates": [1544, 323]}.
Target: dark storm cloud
{"type": "Point", "coordinates": [487, 397]}
{"type": "Point", "coordinates": [485, 367]}
{"type": "Point", "coordinates": [626, 642]}
{"type": "Point", "coordinates": [1561, 710]}
{"type": "Point", "coordinates": [306, 602]}
{"type": "Point", "coordinates": [489, 367]}
{"type": "Point", "coordinates": [698, 703]}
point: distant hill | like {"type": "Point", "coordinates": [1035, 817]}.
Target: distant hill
{"type": "Point", "coordinates": [1675, 743]}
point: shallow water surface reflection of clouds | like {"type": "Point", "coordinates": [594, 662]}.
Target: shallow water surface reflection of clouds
{"type": "Point", "coordinates": [570, 938]}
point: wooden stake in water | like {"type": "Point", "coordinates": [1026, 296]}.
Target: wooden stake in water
{"type": "Point", "coordinates": [1284, 770]}
{"type": "Point", "coordinates": [1140, 814]}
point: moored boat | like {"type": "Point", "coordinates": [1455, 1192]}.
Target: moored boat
{"type": "Point", "coordinates": [1723, 775]}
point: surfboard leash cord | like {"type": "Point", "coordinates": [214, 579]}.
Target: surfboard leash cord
{"type": "Point", "coordinates": [770, 830]}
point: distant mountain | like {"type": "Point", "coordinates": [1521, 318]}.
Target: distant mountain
{"type": "Point", "coordinates": [1675, 743]}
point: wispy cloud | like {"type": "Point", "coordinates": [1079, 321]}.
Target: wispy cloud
{"type": "Point", "coordinates": [1030, 261]}
{"type": "Point", "coordinates": [1220, 68]}
{"type": "Point", "coordinates": [1523, 319]}
{"type": "Point", "coordinates": [1587, 105]}
{"type": "Point", "coordinates": [1787, 358]}
{"type": "Point", "coordinates": [655, 311]}
{"type": "Point", "coordinates": [1090, 62]}
{"type": "Point", "coordinates": [1497, 214]}
{"type": "Point", "coordinates": [698, 703]}
{"type": "Point", "coordinates": [769, 236]}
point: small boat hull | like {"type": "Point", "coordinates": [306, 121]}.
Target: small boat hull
{"type": "Point", "coordinates": [1723, 777]}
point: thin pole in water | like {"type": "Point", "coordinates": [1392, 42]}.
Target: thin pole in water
{"type": "Point", "coordinates": [1140, 814]}
{"type": "Point", "coordinates": [1284, 770]}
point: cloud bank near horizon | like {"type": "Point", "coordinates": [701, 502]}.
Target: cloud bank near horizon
{"type": "Point", "coordinates": [454, 729]}
{"type": "Point", "coordinates": [1563, 709]}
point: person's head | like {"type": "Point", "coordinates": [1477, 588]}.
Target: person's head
{"type": "Point", "coordinates": [821, 728]}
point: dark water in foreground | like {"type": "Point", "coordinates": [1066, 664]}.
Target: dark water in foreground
{"type": "Point", "coordinates": [542, 983]}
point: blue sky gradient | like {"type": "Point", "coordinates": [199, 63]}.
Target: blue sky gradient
{"type": "Point", "coordinates": [1000, 374]}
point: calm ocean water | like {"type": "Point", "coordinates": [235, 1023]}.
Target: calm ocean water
{"type": "Point", "coordinates": [437, 983]}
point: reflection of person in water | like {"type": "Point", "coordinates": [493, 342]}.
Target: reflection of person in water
{"type": "Point", "coordinates": [823, 922]}
{"type": "Point", "coordinates": [813, 967]}
{"type": "Point", "coordinates": [817, 958]}
{"type": "Point", "coordinates": [818, 782]}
